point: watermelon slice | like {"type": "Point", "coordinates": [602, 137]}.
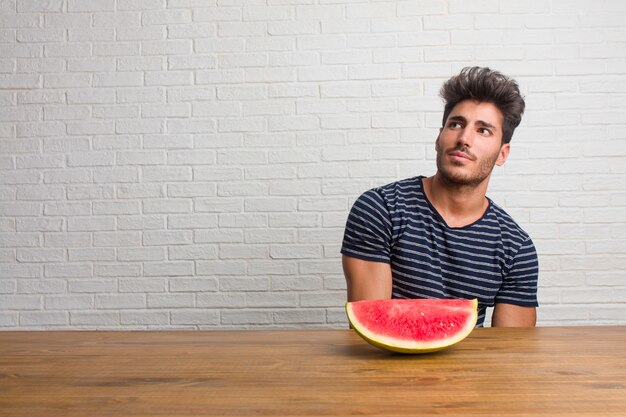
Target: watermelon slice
{"type": "Point", "coordinates": [413, 325]}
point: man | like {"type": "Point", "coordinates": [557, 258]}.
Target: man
{"type": "Point", "coordinates": [441, 237]}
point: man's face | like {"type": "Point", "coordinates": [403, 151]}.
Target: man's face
{"type": "Point", "coordinates": [470, 143]}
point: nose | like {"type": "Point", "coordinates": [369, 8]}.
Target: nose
{"type": "Point", "coordinates": [465, 137]}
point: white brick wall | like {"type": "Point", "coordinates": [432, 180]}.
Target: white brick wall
{"type": "Point", "coordinates": [190, 164]}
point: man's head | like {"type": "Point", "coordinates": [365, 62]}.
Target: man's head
{"type": "Point", "coordinates": [485, 85]}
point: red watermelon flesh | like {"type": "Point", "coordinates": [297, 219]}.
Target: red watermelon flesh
{"type": "Point", "coordinates": [413, 325]}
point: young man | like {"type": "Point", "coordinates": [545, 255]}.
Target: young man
{"type": "Point", "coordinates": [441, 237]}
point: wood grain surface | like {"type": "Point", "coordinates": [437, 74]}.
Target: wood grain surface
{"type": "Point", "coordinates": [558, 371]}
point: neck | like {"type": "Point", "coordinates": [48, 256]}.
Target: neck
{"type": "Point", "coordinates": [459, 205]}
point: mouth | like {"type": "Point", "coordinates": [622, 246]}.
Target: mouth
{"type": "Point", "coordinates": [460, 156]}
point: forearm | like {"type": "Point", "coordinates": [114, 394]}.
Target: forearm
{"type": "Point", "coordinates": [509, 315]}
{"type": "Point", "coordinates": [367, 280]}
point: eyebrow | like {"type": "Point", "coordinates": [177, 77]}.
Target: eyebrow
{"type": "Point", "coordinates": [464, 120]}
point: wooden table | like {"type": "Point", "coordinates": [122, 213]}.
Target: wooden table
{"type": "Point", "coordinates": [558, 371]}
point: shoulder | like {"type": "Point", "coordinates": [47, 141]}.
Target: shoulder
{"type": "Point", "coordinates": [392, 198]}
{"type": "Point", "coordinates": [399, 190]}
{"type": "Point", "coordinates": [507, 224]}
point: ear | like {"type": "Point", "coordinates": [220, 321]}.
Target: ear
{"type": "Point", "coordinates": [437, 140]}
{"type": "Point", "coordinates": [503, 154]}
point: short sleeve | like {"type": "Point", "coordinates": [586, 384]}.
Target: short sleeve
{"type": "Point", "coordinates": [520, 283]}
{"type": "Point", "coordinates": [367, 235]}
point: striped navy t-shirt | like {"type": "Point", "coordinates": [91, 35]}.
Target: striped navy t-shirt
{"type": "Point", "coordinates": [492, 259]}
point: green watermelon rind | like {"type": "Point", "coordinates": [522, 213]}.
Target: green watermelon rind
{"type": "Point", "coordinates": [412, 347]}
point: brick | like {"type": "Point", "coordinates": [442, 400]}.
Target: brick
{"type": "Point", "coordinates": [40, 255]}
{"type": "Point", "coordinates": [295, 251]}
{"type": "Point", "coordinates": [229, 268]}
{"type": "Point", "coordinates": [294, 220]}
{"type": "Point", "coordinates": [116, 239]}
{"type": "Point", "coordinates": [251, 317]}
{"type": "Point", "coordinates": [242, 189]}
{"type": "Point", "coordinates": [299, 283]}
{"type": "Point", "coordinates": [39, 192]}
{"type": "Point", "coordinates": [169, 268]}
{"type": "Point", "coordinates": [195, 157]}
{"type": "Point", "coordinates": [119, 269]}
{"type": "Point", "coordinates": [8, 319]}
{"type": "Point", "coordinates": [67, 20]}
{"type": "Point", "coordinates": [247, 124]}
{"type": "Point", "coordinates": [170, 300]}
{"type": "Point", "coordinates": [94, 318]}
{"type": "Point", "coordinates": [90, 5]}
{"type": "Point", "coordinates": [161, 238]}
{"type": "Point", "coordinates": [216, 14]}
{"type": "Point", "coordinates": [117, 19]}
{"type": "Point", "coordinates": [190, 126]}
{"type": "Point", "coordinates": [144, 318]}
{"type": "Point", "coordinates": [19, 239]}
{"type": "Point", "coordinates": [322, 299]}
{"type": "Point", "coordinates": [68, 270]}
{"type": "Point", "coordinates": [120, 301]}
{"type": "Point", "coordinates": [65, 239]}
{"type": "Point", "coordinates": [100, 254]}
{"type": "Point", "coordinates": [140, 158]}
{"type": "Point", "coordinates": [23, 177]}
{"type": "Point", "coordinates": [92, 286]}
{"type": "Point", "coordinates": [29, 6]}
{"type": "Point", "coordinates": [208, 45]}
{"type": "Point", "coordinates": [270, 299]}
{"type": "Point", "coordinates": [193, 221]}
{"type": "Point", "coordinates": [115, 207]}
{"type": "Point", "coordinates": [294, 188]}
{"type": "Point", "coordinates": [20, 302]}
{"type": "Point", "coordinates": [88, 192]}
{"type": "Point", "coordinates": [66, 113]}
{"type": "Point", "coordinates": [43, 318]}
{"type": "Point", "coordinates": [167, 47]}
{"type": "Point", "coordinates": [337, 317]}
{"type": "Point", "coordinates": [316, 267]}
{"type": "Point", "coordinates": [141, 254]}
{"type": "Point", "coordinates": [223, 300]}
{"type": "Point", "coordinates": [67, 209]}
{"type": "Point", "coordinates": [191, 190]}
{"type": "Point", "coordinates": [228, 251]}
{"type": "Point", "coordinates": [141, 285]}
{"type": "Point", "coordinates": [150, 63]}
{"type": "Point", "coordinates": [140, 222]}
{"type": "Point", "coordinates": [166, 174]}
{"type": "Point", "coordinates": [67, 302]}
{"type": "Point", "coordinates": [219, 205]}
{"type": "Point", "coordinates": [299, 316]}
{"type": "Point", "coordinates": [7, 255]}
{"type": "Point", "coordinates": [196, 317]}
{"type": "Point", "coordinates": [196, 284]}
{"type": "Point", "coordinates": [167, 207]}
{"type": "Point", "coordinates": [142, 5]}
{"type": "Point", "coordinates": [167, 141]}
{"type": "Point", "coordinates": [138, 126]}
{"type": "Point", "coordinates": [218, 236]}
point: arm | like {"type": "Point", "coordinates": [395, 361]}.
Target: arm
{"type": "Point", "coordinates": [367, 280]}
{"type": "Point", "coordinates": [520, 287]}
{"type": "Point", "coordinates": [509, 315]}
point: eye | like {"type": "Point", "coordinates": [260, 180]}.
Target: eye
{"type": "Point", "coordinates": [455, 125]}
{"type": "Point", "coordinates": [484, 131]}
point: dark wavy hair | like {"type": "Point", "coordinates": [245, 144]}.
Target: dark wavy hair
{"type": "Point", "coordinates": [487, 85]}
